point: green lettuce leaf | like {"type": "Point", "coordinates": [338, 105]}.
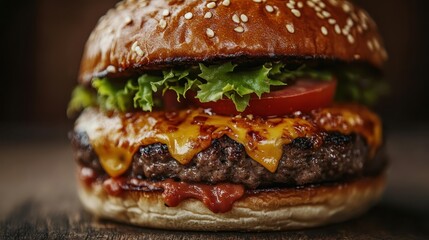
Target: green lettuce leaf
{"type": "Point", "coordinates": [81, 98]}
{"type": "Point", "coordinates": [175, 80]}
{"type": "Point", "coordinates": [359, 85]}
{"type": "Point", "coordinates": [237, 85]}
{"type": "Point", "coordinates": [214, 82]}
{"type": "Point", "coordinates": [143, 99]}
{"type": "Point", "coordinates": [112, 95]}
{"type": "Point", "coordinates": [281, 72]}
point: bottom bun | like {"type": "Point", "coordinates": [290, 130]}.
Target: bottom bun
{"type": "Point", "coordinates": [283, 209]}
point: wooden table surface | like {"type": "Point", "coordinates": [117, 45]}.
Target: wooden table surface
{"type": "Point", "coordinates": [38, 197]}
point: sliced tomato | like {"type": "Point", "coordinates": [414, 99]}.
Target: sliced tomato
{"type": "Point", "coordinates": [170, 101]}
{"type": "Point", "coordinates": [304, 95]}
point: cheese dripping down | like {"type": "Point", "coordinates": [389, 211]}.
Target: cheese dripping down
{"type": "Point", "coordinates": [116, 137]}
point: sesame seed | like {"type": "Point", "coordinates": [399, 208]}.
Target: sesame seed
{"type": "Point", "coordinates": [239, 29]}
{"type": "Point", "coordinates": [208, 15]}
{"type": "Point", "coordinates": [244, 18]}
{"type": "Point", "coordinates": [363, 15]}
{"type": "Point", "coordinates": [165, 12]}
{"type": "Point", "coordinates": [324, 30]}
{"type": "Point", "coordinates": [300, 5]}
{"type": "Point", "coordinates": [334, 2]}
{"type": "Point", "coordinates": [210, 33]}
{"type": "Point", "coordinates": [296, 12]}
{"type": "Point", "coordinates": [211, 5]}
{"type": "Point", "coordinates": [354, 16]}
{"type": "Point", "coordinates": [311, 4]}
{"type": "Point", "coordinates": [337, 29]}
{"type": "Point", "coordinates": [346, 7]}
{"type": "Point", "coordinates": [135, 44]}
{"type": "Point", "coordinates": [346, 30]}
{"type": "Point", "coordinates": [320, 15]}
{"type": "Point", "coordinates": [235, 18]}
{"type": "Point", "coordinates": [322, 4]}
{"type": "Point", "coordinates": [269, 8]}
{"type": "Point", "coordinates": [139, 51]}
{"type": "Point", "coordinates": [357, 56]}
{"type": "Point", "coordinates": [351, 39]}
{"type": "Point", "coordinates": [290, 27]}
{"type": "Point", "coordinates": [359, 28]}
{"type": "Point", "coordinates": [326, 14]}
{"type": "Point", "coordinates": [188, 15]}
{"type": "Point", "coordinates": [349, 22]}
{"type": "Point", "coordinates": [257, 1]}
{"type": "Point", "coordinates": [376, 44]}
{"type": "Point", "coordinates": [162, 23]}
{"type": "Point", "coordinates": [226, 2]}
{"type": "Point", "coordinates": [290, 5]}
{"type": "Point", "coordinates": [332, 21]}
{"type": "Point", "coordinates": [317, 8]}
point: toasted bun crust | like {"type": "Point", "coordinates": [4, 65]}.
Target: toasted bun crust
{"type": "Point", "coordinates": [284, 209]}
{"type": "Point", "coordinates": [140, 35]}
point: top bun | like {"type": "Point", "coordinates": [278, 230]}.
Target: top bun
{"type": "Point", "coordinates": [140, 35]}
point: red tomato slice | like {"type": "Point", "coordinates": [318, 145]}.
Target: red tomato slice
{"type": "Point", "coordinates": [170, 101]}
{"type": "Point", "coordinates": [305, 95]}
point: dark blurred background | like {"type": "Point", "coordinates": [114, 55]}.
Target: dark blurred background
{"type": "Point", "coordinates": [43, 42]}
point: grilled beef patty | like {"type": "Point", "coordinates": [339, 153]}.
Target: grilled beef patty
{"type": "Point", "coordinates": [339, 157]}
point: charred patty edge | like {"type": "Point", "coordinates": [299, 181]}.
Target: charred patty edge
{"type": "Point", "coordinates": [339, 158]}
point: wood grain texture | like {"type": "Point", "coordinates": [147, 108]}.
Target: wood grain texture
{"type": "Point", "coordinates": [28, 221]}
{"type": "Point", "coordinates": [39, 201]}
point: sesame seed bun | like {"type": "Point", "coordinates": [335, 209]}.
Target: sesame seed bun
{"type": "Point", "coordinates": [281, 209]}
{"type": "Point", "coordinates": [144, 35]}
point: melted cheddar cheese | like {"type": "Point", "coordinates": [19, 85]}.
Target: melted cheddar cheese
{"type": "Point", "coordinates": [116, 137]}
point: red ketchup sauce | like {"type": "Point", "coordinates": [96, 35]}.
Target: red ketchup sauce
{"type": "Point", "coordinates": [218, 198]}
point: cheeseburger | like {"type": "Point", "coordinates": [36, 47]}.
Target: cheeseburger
{"type": "Point", "coordinates": [230, 114]}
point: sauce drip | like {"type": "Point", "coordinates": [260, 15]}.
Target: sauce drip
{"type": "Point", "coordinates": [218, 198]}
